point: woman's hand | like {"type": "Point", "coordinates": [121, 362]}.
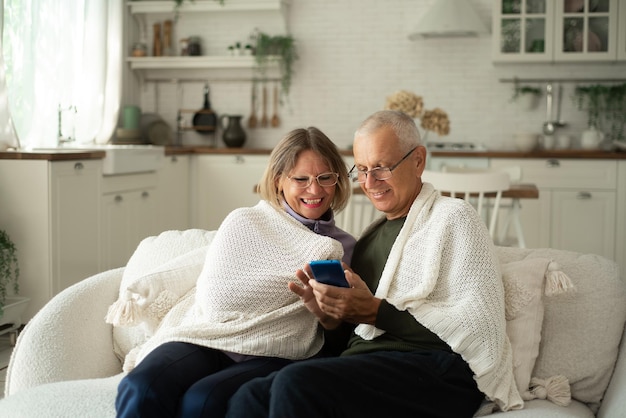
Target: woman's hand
{"type": "Point", "coordinates": [305, 292]}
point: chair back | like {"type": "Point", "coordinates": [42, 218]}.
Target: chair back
{"type": "Point", "coordinates": [359, 213]}
{"type": "Point", "coordinates": [482, 188]}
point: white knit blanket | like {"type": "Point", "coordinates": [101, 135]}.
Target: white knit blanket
{"type": "Point", "coordinates": [442, 269]}
{"type": "Point", "coordinates": [241, 302]}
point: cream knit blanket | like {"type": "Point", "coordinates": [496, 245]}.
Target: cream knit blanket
{"type": "Point", "coordinates": [442, 269]}
{"type": "Point", "coordinates": [241, 302]}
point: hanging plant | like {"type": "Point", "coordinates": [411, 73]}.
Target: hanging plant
{"type": "Point", "coordinates": [281, 46]}
{"type": "Point", "coordinates": [9, 269]}
{"type": "Point", "coordinates": [605, 105]}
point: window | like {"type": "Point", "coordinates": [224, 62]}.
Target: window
{"type": "Point", "coordinates": [62, 57]}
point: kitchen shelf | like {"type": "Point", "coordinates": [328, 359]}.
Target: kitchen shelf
{"type": "Point", "coordinates": [196, 6]}
{"type": "Point", "coordinates": [224, 68]}
{"type": "Point", "coordinates": [185, 62]}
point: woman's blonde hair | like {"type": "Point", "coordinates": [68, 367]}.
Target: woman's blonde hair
{"type": "Point", "coordinates": [285, 156]}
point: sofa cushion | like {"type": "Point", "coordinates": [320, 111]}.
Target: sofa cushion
{"type": "Point", "coordinates": [524, 285]}
{"type": "Point", "coordinates": [162, 269]}
{"type": "Point", "coordinates": [581, 332]}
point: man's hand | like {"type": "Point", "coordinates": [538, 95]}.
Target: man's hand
{"type": "Point", "coordinates": [355, 304]}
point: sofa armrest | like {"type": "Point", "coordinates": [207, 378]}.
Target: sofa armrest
{"type": "Point", "coordinates": [68, 338]}
{"type": "Point", "coordinates": [614, 401]}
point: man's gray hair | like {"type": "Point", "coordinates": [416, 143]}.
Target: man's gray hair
{"type": "Point", "coordinates": [402, 125]}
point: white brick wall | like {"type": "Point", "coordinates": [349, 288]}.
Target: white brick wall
{"type": "Point", "coordinates": [353, 53]}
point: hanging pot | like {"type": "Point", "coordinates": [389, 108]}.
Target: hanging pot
{"type": "Point", "coordinates": [205, 120]}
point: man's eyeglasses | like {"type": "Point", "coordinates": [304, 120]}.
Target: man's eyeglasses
{"type": "Point", "coordinates": [324, 180]}
{"type": "Point", "coordinates": [379, 173]}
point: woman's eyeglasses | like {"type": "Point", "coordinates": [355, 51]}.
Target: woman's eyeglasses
{"type": "Point", "coordinates": [324, 180]}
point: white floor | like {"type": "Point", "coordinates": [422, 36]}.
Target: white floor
{"type": "Point", "coordinates": [5, 353]}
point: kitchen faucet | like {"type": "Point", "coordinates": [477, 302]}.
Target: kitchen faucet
{"type": "Point", "coordinates": [61, 140]}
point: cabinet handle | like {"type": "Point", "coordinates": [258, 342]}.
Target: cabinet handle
{"type": "Point", "coordinates": [118, 198]}
{"type": "Point", "coordinates": [174, 159]}
{"type": "Point", "coordinates": [583, 196]}
{"type": "Point", "coordinates": [145, 194]}
{"type": "Point", "coordinates": [239, 159]}
{"type": "Point", "coordinates": [78, 166]}
{"type": "Point", "coordinates": [553, 163]}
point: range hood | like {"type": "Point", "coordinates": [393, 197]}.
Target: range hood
{"type": "Point", "coordinates": [449, 18]}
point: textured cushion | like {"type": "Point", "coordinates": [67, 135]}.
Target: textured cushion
{"type": "Point", "coordinates": [581, 333]}
{"type": "Point", "coordinates": [524, 284]}
{"type": "Point", "coordinates": [162, 269]}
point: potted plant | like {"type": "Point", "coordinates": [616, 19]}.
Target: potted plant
{"type": "Point", "coordinates": [528, 96]}
{"type": "Point", "coordinates": [281, 46]}
{"type": "Point", "coordinates": [605, 106]}
{"type": "Point", "coordinates": [9, 269]}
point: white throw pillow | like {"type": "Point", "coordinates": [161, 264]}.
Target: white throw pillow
{"type": "Point", "coordinates": [525, 283]}
{"type": "Point", "coordinates": [162, 269]}
{"type": "Point", "coordinates": [589, 321]}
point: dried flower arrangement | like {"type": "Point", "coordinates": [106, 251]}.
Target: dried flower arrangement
{"type": "Point", "coordinates": [435, 120]}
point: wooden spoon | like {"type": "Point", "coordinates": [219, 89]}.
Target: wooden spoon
{"type": "Point", "coordinates": [252, 122]}
{"type": "Point", "coordinates": [264, 120]}
{"type": "Point", "coordinates": [275, 119]}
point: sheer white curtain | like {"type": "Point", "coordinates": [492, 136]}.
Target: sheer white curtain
{"type": "Point", "coordinates": [63, 53]}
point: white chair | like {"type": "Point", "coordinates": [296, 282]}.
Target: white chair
{"type": "Point", "coordinates": [359, 213]}
{"type": "Point", "coordinates": [511, 206]}
{"type": "Point", "coordinates": [477, 187]}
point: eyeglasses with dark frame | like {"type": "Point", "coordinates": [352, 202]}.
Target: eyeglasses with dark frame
{"type": "Point", "coordinates": [379, 173]}
{"type": "Point", "coordinates": [324, 180]}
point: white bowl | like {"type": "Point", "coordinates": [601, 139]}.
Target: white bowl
{"type": "Point", "coordinates": [526, 142]}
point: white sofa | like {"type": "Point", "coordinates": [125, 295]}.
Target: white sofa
{"type": "Point", "coordinates": [67, 360]}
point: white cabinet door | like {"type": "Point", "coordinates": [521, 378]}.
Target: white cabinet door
{"type": "Point", "coordinates": [130, 213]}
{"type": "Point", "coordinates": [74, 210]}
{"type": "Point", "coordinates": [221, 183]}
{"type": "Point", "coordinates": [128, 217]}
{"type": "Point", "coordinates": [50, 211]}
{"type": "Point", "coordinates": [576, 206]}
{"type": "Point", "coordinates": [584, 221]}
{"type": "Point", "coordinates": [174, 193]}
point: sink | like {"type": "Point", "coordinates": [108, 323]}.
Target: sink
{"type": "Point", "coordinates": [120, 159]}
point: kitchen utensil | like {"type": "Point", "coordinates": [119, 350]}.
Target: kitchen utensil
{"type": "Point", "coordinates": [275, 122]}
{"type": "Point", "coordinates": [264, 119]}
{"type": "Point", "coordinates": [205, 120]}
{"type": "Point", "coordinates": [548, 126]}
{"type": "Point", "coordinates": [154, 130]}
{"type": "Point", "coordinates": [559, 97]}
{"type": "Point", "coordinates": [234, 136]}
{"type": "Point", "coordinates": [252, 121]}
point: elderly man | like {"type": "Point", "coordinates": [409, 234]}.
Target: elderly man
{"type": "Point", "coordinates": [426, 303]}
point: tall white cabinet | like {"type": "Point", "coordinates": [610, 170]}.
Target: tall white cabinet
{"type": "Point", "coordinates": [221, 183]}
{"type": "Point", "coordinates": [51, 209]}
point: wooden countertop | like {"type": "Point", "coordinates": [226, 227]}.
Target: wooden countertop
{"type": "Point", "coordinates": [201, 150]}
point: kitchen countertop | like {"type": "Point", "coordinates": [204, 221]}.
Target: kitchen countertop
{"type": "Point", "coordinates": [200, 150]}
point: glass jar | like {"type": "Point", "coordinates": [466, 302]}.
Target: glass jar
{"type": "Point", "coordinates": [139, 49]}
{"type": "Point", "coordinates": [193, 46]}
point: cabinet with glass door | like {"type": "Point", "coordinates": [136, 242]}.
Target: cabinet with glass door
{"type": "Point", "coordinates": [586, 30]}
{"type": "Point", "coordinates": [559, 30]}
{"type": "Point", "coordinates": [523, 30]}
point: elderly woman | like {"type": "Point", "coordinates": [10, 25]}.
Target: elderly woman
{"type": "Point", "coordinates": [243, 321]}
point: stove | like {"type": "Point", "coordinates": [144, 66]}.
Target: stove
{"type": "Point", "coordinates": [455, 146]}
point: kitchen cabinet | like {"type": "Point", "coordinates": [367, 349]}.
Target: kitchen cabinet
{"type": "Point", "coordinates": [174, 193]}
{"type": "Point", "coordinates": [557, 31]}
{"type": "Point", "coordinates": [576, 209]}
{"type": "Point", "coordinates": [221, 183]}
{"type": "Point", "coordinates": [621, 31]}
{"type": "Point", "coordinates": [620, 224]}
{"type": "Point", "coordinates": [50, 210]}
{"type": "Point", "coordinates": [217, 25]}
{"type": "Point", "coordinates": [130, 213]}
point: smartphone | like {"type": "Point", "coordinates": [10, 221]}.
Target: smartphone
{"type": "Point", "coordinates": [329, 272]}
